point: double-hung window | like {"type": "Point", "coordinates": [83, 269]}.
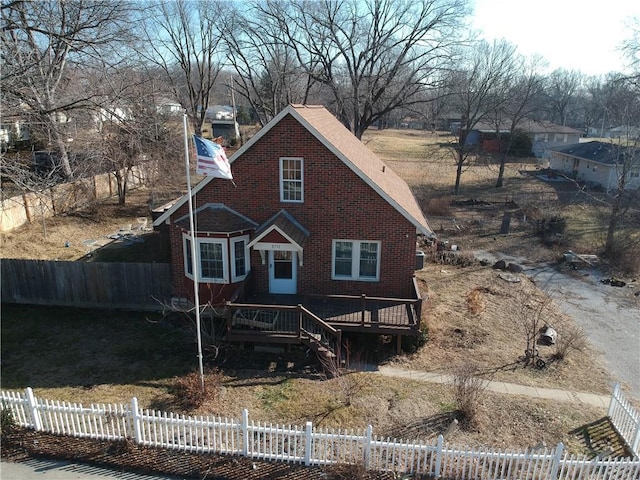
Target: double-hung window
{"type": "Point", "coordinates": [291, 180]}
{"type": "Point", "coordinates": [212, 260]}
{"type": "Point", "coordinates": [356, 260]}
{"type": "Point", "coordinates": [239, 258]}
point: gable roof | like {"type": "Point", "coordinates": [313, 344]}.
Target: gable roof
{"type": "Point", "coordinates": [601, 152]}
{"type": "Point", "coordinates": [286, 226]}
{"type": "Point", "coordinates": [351, 151]}
{"type": "Point", "coordinates": [542, 126]}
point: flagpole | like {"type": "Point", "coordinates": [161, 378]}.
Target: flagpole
{"type": "Point", "coordinates": [194, 261]}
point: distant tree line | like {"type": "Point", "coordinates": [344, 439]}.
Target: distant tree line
{"type": "Point", "coordinates": [90, 75]}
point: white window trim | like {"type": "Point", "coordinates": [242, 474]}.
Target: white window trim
{"type": "Point", "coordinates": [234, 277]}
{"type": "Point", "coordinates": [282, 199]}
{"type": "Point", "coordinates": [355, 261]}
{"type": "Point", "coordinates": [225, 259]}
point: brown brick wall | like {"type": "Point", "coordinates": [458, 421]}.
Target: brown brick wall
{"type": "Point", "coordinates": [337, 205]}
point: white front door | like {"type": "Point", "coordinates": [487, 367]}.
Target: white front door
{"type": "Point", "coordinates": [282, 272]}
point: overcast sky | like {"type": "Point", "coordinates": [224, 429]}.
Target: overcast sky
{"type": "Point", "coordinates": [573, 34]}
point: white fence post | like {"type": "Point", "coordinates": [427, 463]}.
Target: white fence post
{"type": "Point", "coordinates": [367, 446]}
{"type": "Point", "coordinates": [245, 433]}
{"type": "Point", "coordinates": [308, 443]}
{"type": "Point", "coordinates": [135, 417]}
{"type": "Point", "coordinates": [33, 408]}
{"type": "Point", "coordinates": [635, 446]}
{"type": "Point", "coordinates": [614, 399]}
{"type": "Point", "coordinates": [438, 472]}
{"type": "Point", "coordinates": [556, 461]}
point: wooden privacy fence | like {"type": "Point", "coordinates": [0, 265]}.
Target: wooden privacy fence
{"type": "Point", "coordinates": [135, 286]}
{"type": "Point", "coordinates": [64, 197]}
{"type": "Point", "coordinates": [306, 444]}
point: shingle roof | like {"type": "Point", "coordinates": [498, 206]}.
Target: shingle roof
{"type": "Point", "coordinates": [366, 164]}
{"type": "Point", "coordinates": [217, 218]}
{"type": "Point", "coordinates": [601, 152]}
{"type": "Point", "coordinates": [286, 224]}
{"type": "Point", "coordinates": [355, 154]}
{"type": "Point", "coordinates": [530, 126]}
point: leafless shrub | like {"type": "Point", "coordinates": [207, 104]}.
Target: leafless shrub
{"type": "Point", "coordinates": [475, 301]}
{"type": "Point", "coordinates": [570, 338]}
{"type": "Point", "coordinates": [625, 254]}
{"type": "Point", "coordinates": [452, 258]}
{"type": "Point", "coordinates": [348, 384]}
{"type": "Point", "coordinates": [468, 390]}
{"type": "Point", "coordinates": [189, 392]}
{"type": "Point", "coordinates": [440, 207]}
{"type": "Point", "coordinates": [530, 319]}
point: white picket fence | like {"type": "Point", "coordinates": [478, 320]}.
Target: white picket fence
{"type": "Point", "coordinates": [625, 419]}
{"type": "Point", "coordinates": [312, 446]}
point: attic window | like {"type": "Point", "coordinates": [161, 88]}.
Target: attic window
{"type": "Point", "coordinates": [291, 180]}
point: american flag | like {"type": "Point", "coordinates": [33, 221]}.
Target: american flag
{"type": "Point", "coordinates": [211, 159]}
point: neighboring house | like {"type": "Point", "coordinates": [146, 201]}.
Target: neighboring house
{"type": "Point", "coordinates": [546, 136]}
{"type": "Point", "coordinates": [13, 131]}
{"type": "Point", "coordinates": [311, 213]}
{"type": "Point", "coordinates": [219, 122]}
{"type": "Point", "coordinates": [482, 134]}
{"type": "Point", "coordinates": [166, 106]}
{"type": "Point", "coordinates": [623, 131]}
{"type": "Point", "coordinates": [543, 135]}
{"type": "Point", "coordinates": [596, 163]}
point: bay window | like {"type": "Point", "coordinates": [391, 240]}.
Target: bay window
{"type": "Point", "coordinates": [219, 260]}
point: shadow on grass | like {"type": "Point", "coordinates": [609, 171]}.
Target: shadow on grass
{"type": "Point", "coordinates": [600, 439]}
{"type": "Point", "coordinates": [428, 427]}
{"type": "Point", "coordinates": [51, 347]}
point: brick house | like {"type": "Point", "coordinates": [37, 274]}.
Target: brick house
{"type": "Point", "coordinates": [311, 212]}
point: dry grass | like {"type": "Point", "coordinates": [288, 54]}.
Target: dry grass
{"type": "Point", "coordinates": [470, 316]}
{"type": "Point", "coordinates": [492, 337]}
{"type": "Point", "coordinates": [62, 237]}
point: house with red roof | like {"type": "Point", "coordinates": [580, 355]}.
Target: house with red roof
{"type": "Point", "coordinates": [315, 236]}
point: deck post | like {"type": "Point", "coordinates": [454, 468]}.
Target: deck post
{"type": "Point", "coordinates": [399, 345]}
{"type": "Point", "coordinates": [300, 314]}
{"type": "Point", "coordinates": [363, 308]}
{"type": "Point", "coordinates": [228, 316]}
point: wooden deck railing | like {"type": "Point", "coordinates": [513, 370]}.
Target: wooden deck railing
{"type": "Point", "coordinates": [364, 310]}
{"type": "Point", "coordinates": [294, 320]}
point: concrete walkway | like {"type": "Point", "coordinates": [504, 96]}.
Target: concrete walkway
{"type": "Point", "coordinates": [600, 401]}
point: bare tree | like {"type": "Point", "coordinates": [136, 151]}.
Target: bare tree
{"type": "Point", "coordinates": [370, 56]}
{"type": "Point", "coordinates": [28, 181]}
{"type": "Point", "coordinates": [631, 50]}
{"type": "Point", "coordinates": [562, 89]}
{"type": "Point", "coordinates": [521, 93]}
{"type": "Point", "coordinates": [529, 321]}
{"type": "Point", "coordinates": [476, 91]}
{"type": "Point", "coordinates": [269, 76]}
{"type": "Point", "coordinates": [48, 49]}
{"type": "Point", "coordinates": [624, 108]}
{"type": "Point", "coordinates": [184, 41]}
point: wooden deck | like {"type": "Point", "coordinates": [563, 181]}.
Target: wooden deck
{"type": "Point", "coordinates": [318, 320]}
{"type": "Point", "coordinates": [278, 315]}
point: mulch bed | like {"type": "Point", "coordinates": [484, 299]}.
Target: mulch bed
{"type": "Point", "coordinates": [21, 444]}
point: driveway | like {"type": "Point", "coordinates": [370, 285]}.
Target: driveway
{"type": "Point", "coordinates": [610, 316]}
